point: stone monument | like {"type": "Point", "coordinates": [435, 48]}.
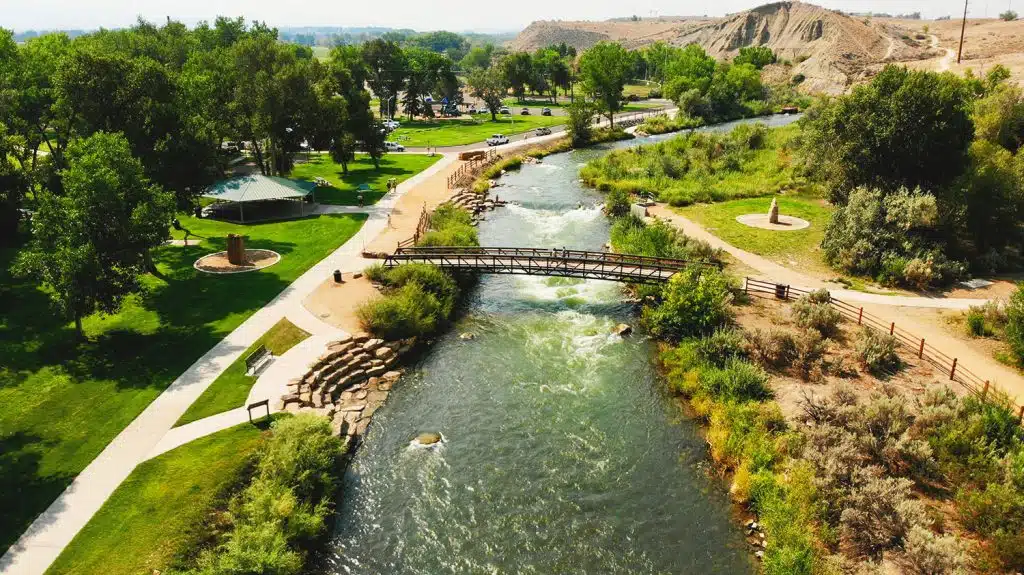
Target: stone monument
{"type": "Point", "coordinates": [773, 212]}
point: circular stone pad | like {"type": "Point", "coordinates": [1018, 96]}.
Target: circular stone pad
{"type": "Point", "coordinates": [786, 223]}
{"type": "Point", "coordinates": [217, 263]}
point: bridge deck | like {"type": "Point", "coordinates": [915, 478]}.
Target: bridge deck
{"type": "Point", "coordinates": [547, 262]}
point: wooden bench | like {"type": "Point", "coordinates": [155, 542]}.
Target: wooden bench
{"type": "Point", "coordinates": [257, 360]}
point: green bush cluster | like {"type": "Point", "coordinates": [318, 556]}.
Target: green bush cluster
{"type": "Point", "coordinates": [631, 235]}
{"type": "Point", "coordinates": [450, 226]}
{"type": "Point", "coordinates": [813, 311]}
{"type": "Point", "coordinates": [749, 161]}
{"type": "Point", "coordinates": [418, 299]}
{"type": "Point", "coordinates": [695, 302]}
{"type": "Point", "coordinates": [979, 446]}
{"type": "Point", "coordinates": [662, 124]}
{"type": "Point", "coordinates": [283, 512]}
{"type": "Point", "coordinates": [1015, 323]}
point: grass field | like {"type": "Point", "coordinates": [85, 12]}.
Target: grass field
{"type": "Point", "coordinates": [343, 188]}
{"type": "Point", "coordinates": [461, 132]}
{"type": "Point", "coordinates": [321, 52]}
{"type": "Point", "coordinates": [539, 103]}
{"type": "Point", "coordinates": [158, 514]}
{"type": "Point", "coordinates": [64, 399]}
{"type": "Point", "coordinates": [799, 246]}
{"type": "Point", "coordinates": [231, 388]}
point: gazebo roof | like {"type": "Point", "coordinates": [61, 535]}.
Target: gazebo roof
{"type": "Point", "coordinates": [256, 187]}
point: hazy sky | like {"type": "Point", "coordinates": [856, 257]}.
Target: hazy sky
{"type": "Point", "coordinates": [457, 15]}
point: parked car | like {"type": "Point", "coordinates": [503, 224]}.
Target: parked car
{"type": "Point", "coordinates": [525, 112]}
{"type": "Point", "coordinates": [545, 112]}
{"type": "Point", "coordinates": [394, 147]}
{"type": "Point", "coordinates": [543, 131]}
{"type": "Point", "coordinates": [504, 110]}
{"type": "Point", "coordinates": [392, 124]}
{"type": "Point", "coordinates": [497, 140]}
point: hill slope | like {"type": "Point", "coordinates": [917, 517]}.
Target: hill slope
{"type": "Point", "coordinates": [830, 49]}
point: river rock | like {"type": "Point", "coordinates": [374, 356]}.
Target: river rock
{"type": "Point", "coordinates": [391, 376]}
{"type": "Point", "coordinates": [362, 394]}
{"type": "Point", "coordinates": [773, 212]}
{"type": "Point", "coordinates": [429, 438]}
{"type": "Point", "coordinates": [361, 337]}
{"type": "Point", "coordinates": [354, 407]}
{"type": "Point", "coordinates": [622, 330]}
{"type": "Point", "coordinates": [342, 340]}
{"type": "Point", "coordinates": [384, 352]}
{"type": "Point", "coordinates": [372, 344]}
{"type": "Point", "coordinates": [467, 337]}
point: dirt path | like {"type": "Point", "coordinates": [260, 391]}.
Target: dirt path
{"type": "Point", "coordinates": [947, 61]}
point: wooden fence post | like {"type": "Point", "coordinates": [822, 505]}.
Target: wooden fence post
{"type": "Point", "coordinates": [892, 328]}
{"type": "Point", "coordinates": [952, 372]}
{"type": "Point", "coordinates": [860, 316]}
{"type": "Point", "coordinates": [920, 352]}
{"type": "Point", "coordinates": [984, 392]}
{"type": "Point", "coordinates": [1020, 419]}
{"type": "Point", "coordinates": [745, 280]}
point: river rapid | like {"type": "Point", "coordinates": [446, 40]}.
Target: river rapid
{"type": "Point", "coordinates": [562, 452]}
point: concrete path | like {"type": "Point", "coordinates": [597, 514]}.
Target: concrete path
{"type": "Point", "coordinates": [51, 532]}
{"type": "Point", "coordinates": [771, 271]}
{"type": "Point", "coordinates": [889, 308]}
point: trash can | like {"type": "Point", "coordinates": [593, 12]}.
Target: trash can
{"type": "Point", "coordinates": [337, 277]}
{"type": "Point", "coordinates": [781, 291]}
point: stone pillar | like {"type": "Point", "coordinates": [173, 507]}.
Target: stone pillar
{"type": "Point", "coordinates": [236, 249]}
{"type": "Point", "coordinates": [773, 212]}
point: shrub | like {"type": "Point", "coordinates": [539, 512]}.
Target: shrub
{"type": "Point", "coordinates": [812, 313]}
{"type": "Point", "coordinates": [617, 203]}
{"type": "Point", "coordinates": [969, 437]}
{"type": "Point", "coordinates": [931, 554]}
{"type": "Point", "coordinates": [284, 510]}
{"type": "Point", "coordinates": [737, 381]}
{"type": "Point", "coordinates": [810, 351]}
{"type": "Point", "coordinates": [877, 351]}
{"type": "Point", "coordinates": [432, 279]}
{"type": "Point", "coordinates": [1008, 16]}
{"type": "Point", "coordinates": [879, 513]}
{"type": "Point", "coordinates": [1015, 322]}
{"type": "Point", "coordinates": [409, 311]}
{"type": "Point", "coordinates": [696, 302]}
{"type": "Point", "coordinates": [997, 513]}
{"type": "Point", "coordinates": [976, 324]}
{"type": "Point", "coordinates": [772, 348]}
{"type": "Point", "coordinates": [720, 347]}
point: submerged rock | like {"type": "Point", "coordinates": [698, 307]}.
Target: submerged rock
{"type": "Point", "coordinates": [467, 336]}
{"type": "Point", "coordinates": [622, 330]}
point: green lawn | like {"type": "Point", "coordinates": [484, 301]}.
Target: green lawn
{"type": "Point", "coordinates": [800, 246]}
{"type": "Point", "coordinates": [461, 132]}
{"type": "Point", "coordinates": [321, 52]}
{"type": "Point", "coordinates": [638, 90]}
{"type": "Point", "coordinates": [158, 515]}
{"type": "Point", "coordinates": [231, 388]}
{"type": "Point", "coordinates": [540, 103]}
{"type": "Point", "coordinates": [64, 399]}
{"type": "Point", "coordinates": [343, 188]}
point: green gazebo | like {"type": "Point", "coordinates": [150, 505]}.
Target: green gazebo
{"type": "Point", "coordinates": [257, 197]}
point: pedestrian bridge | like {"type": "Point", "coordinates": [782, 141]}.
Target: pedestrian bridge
{"type": "Point", "coordinates": [547, 262]}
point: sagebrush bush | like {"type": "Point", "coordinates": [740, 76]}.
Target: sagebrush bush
{"type": "Point", "coordinates": [772, 348]}
{"type": "Point", "coordinates": [877, 351]}
{"type": "Point", "coordinates": [737, 381]}
{"type": "Point", "coordinates": [810, 349]}
{"type": "Point", "coordinates": [931, 554]}
{"type": "Point", "coordinates": [409, 311]}
{"type": "Point", "coordinates": [812, 313]}
{"type": "Point", "coordinates": [879, 512]}
{"type": "Point", "coordinates": [976, 324]}
{"type": "Point", "coordinates": [721, 346]}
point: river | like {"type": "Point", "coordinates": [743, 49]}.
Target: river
{"type": "Point", "coordinates": [563, 453]}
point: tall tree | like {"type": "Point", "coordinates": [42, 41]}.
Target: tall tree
{"type": "Point", "coordinates": [387, 72]}
{"type": "Point", "coordinates": [903, 129]}
{"type": "Point", "coordinates": [518, 70]}
{"type": "Point", "coordinates": [488, 84]}
{"type": "Point", "coordinates": [604, 70]}
{"type": "Point", "coordinates": [91, 244]}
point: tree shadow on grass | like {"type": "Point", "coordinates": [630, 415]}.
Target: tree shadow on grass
{"type": "Point", "coordinates": [24, 493]}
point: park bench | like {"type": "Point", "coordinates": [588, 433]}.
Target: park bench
{"type": "Point", "coordinates": [257, 360]}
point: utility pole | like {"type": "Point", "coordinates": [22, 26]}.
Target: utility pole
{"type": "Point", "coordinates": [963, 28]}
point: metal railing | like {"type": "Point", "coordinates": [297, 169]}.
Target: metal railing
{"type": "Point", "coordinates": [546, 262]}
{"type": "Point", "coordinates": [946, 364]}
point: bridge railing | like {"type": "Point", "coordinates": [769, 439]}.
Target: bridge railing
{"type": "Point", "coordinates": [554, 253]}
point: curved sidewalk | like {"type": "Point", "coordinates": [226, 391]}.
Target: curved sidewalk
{"type": "Point", "coordinates": [51, 532]}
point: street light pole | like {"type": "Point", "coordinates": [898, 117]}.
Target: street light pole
{"type": "Point", "coordinates": [963, 28]}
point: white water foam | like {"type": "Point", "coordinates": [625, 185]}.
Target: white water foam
{"type": "Point", "coordinates": [548, 225]}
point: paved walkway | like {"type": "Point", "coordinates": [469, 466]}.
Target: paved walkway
{"type": "Point", "coordinates": [889, 308]}
{"type": "Point", "coordinates": [37, 548]}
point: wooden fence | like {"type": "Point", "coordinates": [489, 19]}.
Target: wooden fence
{"type": "Point", "coordinates": [421, 228]}
{"type": "Point", "coordinates": [457, 178]}
{"type": "Point", "coordinates": [945, 364]}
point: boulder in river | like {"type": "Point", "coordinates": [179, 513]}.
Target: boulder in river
{"type": "Point", "coordinates": [622, 330]}
{"type": "Point", "coordinates": [428, 439]}
{"type": "Point", "coordinates": [467, 336]}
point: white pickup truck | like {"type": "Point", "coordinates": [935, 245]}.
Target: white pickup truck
{"type": "Point", "coordinates": [497, 140]}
